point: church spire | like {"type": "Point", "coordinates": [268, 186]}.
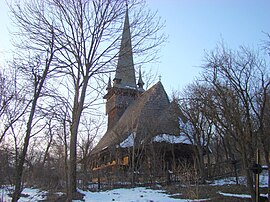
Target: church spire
{"type": "Point", "coordinates": [124, 90]}
{"type": "Point", "coordinates": [125, 73]}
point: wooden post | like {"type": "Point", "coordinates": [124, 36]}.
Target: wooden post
{"type": "Point", "coordinates": [234, 162]}
{"type": "Point", "coordinates": [257, 177]}
{"type": "Point", "coordinates": [98, 181]}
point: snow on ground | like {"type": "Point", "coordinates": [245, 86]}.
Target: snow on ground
{"type": "Point", "coordinates": [229, 180]}
{"type": "Point", "coordinates": [241, 180]}
{"type": "Point", "coordinates": [235, 195]}
{"type": "Point", "coordinates": [240, 195]}
{"type": "Point", "coordinates": [139, 194]}
{"type": "Point", "coordinates": [264, 179]}
{"type": "Point", "coordinates": [29, 195]}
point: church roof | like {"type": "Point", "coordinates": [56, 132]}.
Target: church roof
{"type": "Point", "coordinates": [149, 115]}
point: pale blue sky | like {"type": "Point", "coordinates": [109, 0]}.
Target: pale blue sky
{"type": "Point", "coordinates": [4, 33]}
{"type": "Point", "coordinates": [193, 26]}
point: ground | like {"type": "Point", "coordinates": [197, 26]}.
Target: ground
{"type": "Point", "coordinates": [219, 190]}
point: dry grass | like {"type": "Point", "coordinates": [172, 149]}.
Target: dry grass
{"type": "Point", "coordinates": [210, 192]}
{"type": "Point", "coordinates": [198, 192]}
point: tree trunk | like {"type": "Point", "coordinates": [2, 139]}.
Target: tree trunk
{"type": "Point", "coordinates": [249, 177]}
{"type": "Point", "coordinates": [76, 115]}
{"type": "Point", "coordinates": [19, 168]}
{"type": "Point", "coordinates": [22, 156]}
{"type": "Point", "coordinates": [72, 179]}
{"type": "Point", "coordinates": [266, 156]}
{"type": "Point", "coordinates": [200, 163]}
{"type": "Point", "coordinates": [46, 154]}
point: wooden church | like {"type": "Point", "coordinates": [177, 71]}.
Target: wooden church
{"type": "Point", "coordinates": [143, 134]}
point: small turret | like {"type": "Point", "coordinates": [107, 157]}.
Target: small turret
{"type": "Point", "coordinates": [109, 86]}
{"type": "Point", "coordinates": [140, 82]}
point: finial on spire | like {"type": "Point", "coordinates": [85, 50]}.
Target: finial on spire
{"type": "Point", "coordinates": [159, 77]}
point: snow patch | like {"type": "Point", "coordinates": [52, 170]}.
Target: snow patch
{"type": "Point", "coordinates": [241, 180]}
{"type": "Point", "coordinates": [139, 194]}
{"type": "Point", "coordinates": [185, 128]}
{"type": "Point", "coordinates": [131, 87]}
{"type": "Point", "coordinates": [28, 194]}
{"type": "Point", "coordinates": [104, 148]}
{"type": "Point", "coordinates": [172, 139]}
{"type": "Point", "coordinates": [235, 195]}
{"type": "Point", "coordinates": [129, 141]}
{"type": "Point", "coordinates": [264, 178]}
{"type": "Point", "coordinates": [227, 181]}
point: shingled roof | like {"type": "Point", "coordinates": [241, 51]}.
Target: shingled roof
{"type": "Point", "coordinates": [125, 67]}
{"type": "Point", "coordinates": [149, 115]}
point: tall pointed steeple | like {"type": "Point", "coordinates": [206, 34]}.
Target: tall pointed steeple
{"type": "Point", "coordinates": [125, 73]}
{"type": "Point", "coordinates": [124, 90]}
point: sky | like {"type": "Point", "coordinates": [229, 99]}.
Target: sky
{"type": "Point", "coordinates": [197, 26]}
{"type": "Point", "coordinates": [193, 27]}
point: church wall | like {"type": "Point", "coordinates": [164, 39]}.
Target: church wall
{"type": "Point", "coordinates": [151, 163]}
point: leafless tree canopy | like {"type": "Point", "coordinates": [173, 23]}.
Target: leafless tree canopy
{"type": "Point", "coordinates": [230, 101]}
{"type": "Point", "coordinates": [65, 47]}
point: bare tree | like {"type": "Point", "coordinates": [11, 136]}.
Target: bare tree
{"type": "Point", "coordinates": [87, 36]}
{"type": "Point", "coordinates": [196, 125]}
{"type": "Point", "coordinates": [89, 131]}
{"type": "Point", "coordinates": [5, 94]}
{"type": "Point", "coordinates": [38, 82]}
{"type": "Point", "coordinates": [264, 130]}
{"type": "Point", "coordinates": [35, 69]}
{"type": "Point", "coordinates": [237, 79]}
{"type": "Point", "coordinates": [263, 112]}
{"type": "Point", "coordinates": [13, 104]}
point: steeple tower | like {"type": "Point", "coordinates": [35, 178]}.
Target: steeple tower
{"type": "Point", "coordinates": [125, 74]}
{"type": "Point", "coordinates": [124, 89]}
